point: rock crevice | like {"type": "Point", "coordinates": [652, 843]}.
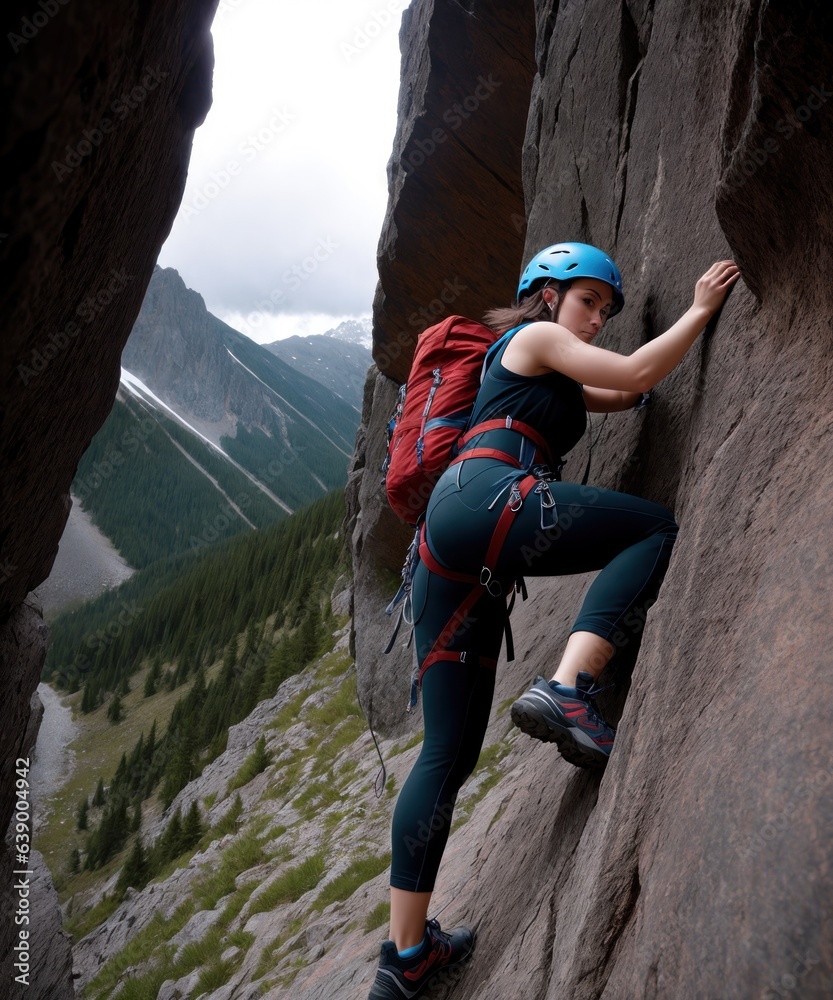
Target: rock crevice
{"type": "Point", "coordinates": [93, 94]}
{"type": "Point", "coordinates": [672, 137]}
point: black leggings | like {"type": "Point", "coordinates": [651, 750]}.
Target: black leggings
{"type": "Point", "coordinates": [627, 538]}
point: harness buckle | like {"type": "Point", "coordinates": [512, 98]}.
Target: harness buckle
{"type": "Point", "coordinates": [486, 580]}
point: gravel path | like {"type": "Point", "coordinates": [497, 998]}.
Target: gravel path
{"type": "Point", "coordinates": [87, 564]}
{"type": "Point", "coordinates": [52, 758]}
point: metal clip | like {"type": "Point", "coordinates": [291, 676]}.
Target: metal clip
{"type": "Point", "coordinates": [547, 499]}
{"type": "Point", "coordinates": [515, 500]}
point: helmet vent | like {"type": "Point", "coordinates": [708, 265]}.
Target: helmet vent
{"type": "Point", "coordinates": [571, 266]}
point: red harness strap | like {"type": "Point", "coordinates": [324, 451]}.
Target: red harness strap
{"type": "Point", "coordinates": [438, 651]}
{"type": "Point", "coordinates": [486, 453]}
{"type": "Point", "coordinates": [504, 424]}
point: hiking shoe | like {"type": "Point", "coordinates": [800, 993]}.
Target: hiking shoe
{"type": "Point", "coordinates": [570, 720]}
{"type": "Point", "coordinates": [407, 978]}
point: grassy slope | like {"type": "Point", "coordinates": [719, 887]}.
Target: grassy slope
{"type": "Point", "coordinates": [259, 871]}
{"type": "Point", "coordinates": [97, 750]}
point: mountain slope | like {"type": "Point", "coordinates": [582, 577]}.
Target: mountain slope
{"type": "Point", "coordinates": [337, 364]}
{"type": "Point", "coordinates": [210, 433]}
{"type": "Point", "coordinates": [218, 379]}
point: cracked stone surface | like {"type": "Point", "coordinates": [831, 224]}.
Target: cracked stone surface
{"type": "Point", "coordinates": [83, 235]}
{"type": "Point", "coordinates": [672, 135]}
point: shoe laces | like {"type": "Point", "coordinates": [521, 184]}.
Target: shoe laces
{"type": "Point", "coordinates": [435, 930]}
{"type": "Point", "coordinates": [588, 695]}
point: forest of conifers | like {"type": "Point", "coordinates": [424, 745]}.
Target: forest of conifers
{"type": "Point", "coordinates": [176, 618]}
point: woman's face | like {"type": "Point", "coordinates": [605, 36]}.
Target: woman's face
{"type": "Point", "coordinates": [584, 307]}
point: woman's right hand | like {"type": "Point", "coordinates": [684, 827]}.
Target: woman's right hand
{"type": "Point", "coordinates": [711, 290]}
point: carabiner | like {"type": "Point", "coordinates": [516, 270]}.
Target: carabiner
{"type": "Point", "coordinates": [547, 499]}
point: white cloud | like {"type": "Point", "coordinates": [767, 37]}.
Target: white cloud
{"type": "Point", "coordinates": [267, 327]}
{"type": "Point", "coordinates": [287, 185]}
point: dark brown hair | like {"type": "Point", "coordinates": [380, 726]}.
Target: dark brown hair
{"type": "Point", "coordinates": [528, 310]}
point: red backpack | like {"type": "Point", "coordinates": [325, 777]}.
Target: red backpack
{"type": "Point", "coordinates": [432, 411]}
{"type": "Point", "coordinates": [425, 433]}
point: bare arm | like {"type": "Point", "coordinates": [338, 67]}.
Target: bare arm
{"type": "Point", "coordinates": [608, 400]}
{"type": "Point", "coordinates": [542, 346]}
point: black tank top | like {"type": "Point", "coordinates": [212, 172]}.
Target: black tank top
{"type": "Point", "coordinates": [552, 403]}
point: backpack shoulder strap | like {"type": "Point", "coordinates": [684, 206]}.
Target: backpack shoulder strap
{"type": "Point", "coordinates": [498, 347]}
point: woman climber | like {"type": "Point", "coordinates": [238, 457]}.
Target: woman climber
{"type": "Point", "coordinates": [546, 376]}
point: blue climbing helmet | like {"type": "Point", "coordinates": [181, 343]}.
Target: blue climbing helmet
{"type": "Point", "coordinates": [566, 261]}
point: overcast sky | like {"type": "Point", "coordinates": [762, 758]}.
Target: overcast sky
{"type": "Point", "coordinates": [287, 186]}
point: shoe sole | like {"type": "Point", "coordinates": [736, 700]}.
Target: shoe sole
{"type": "Point", "coordinates": [530, 719]}
{"type": "Point", "coordinates": [389, 989]}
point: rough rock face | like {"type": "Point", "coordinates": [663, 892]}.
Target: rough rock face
{"type": "Point", "coordinates": [699, 864]}
{"type": "Point", "coordinates": [453, 173]}
{"type": "Point", "coordinates": [176, 348]}
{"type": "Point", "coordinates": [672, 135]}
{"type": "Point", "coordinates": [99, 109]}
{"type": "Point", "coordinates": [454, 177]}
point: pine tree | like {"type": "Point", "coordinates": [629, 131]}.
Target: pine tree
{"type": "Point", "coordinates": [111, 834]}
{"type": "Point", "coordinates": [98, 798]}
{"type": "Point", "coordinates": [173, 842]}
{"type": "Point", "coordinates": [74, 866]}
{"type": "Point", "coordinates": [261, 758]}
{"type": "Point", "coordinates": [252, 640]}
{"type": "Point", "coordinates": [115, 713]}
{"type": "Point", "coordinates": [309, 637]}
{"type": "Point", "coordinates": [192, 828]}
{"type": "Point", "coordinates": [150, 745]}
{"type": "Point", "coordinates": [83, 809]}
{"type": "Point", "coordinates": [87, 700]}
{"type": "Point", "coordinates": [136, 871]}
{"type": "Point", "coordinates": [182, 671]}
{"type": "Point", "coordinates": [178, 772]}
{"type": "Point", "coordinates": [198, 689]}
{"type": "Point", "coordinates": [151, 681]}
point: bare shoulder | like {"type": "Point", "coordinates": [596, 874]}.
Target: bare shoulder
{"type": "Point", "coordinates": [529, 352]}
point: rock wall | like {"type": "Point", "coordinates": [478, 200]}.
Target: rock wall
{"type": "Point", "coordinates": [673, 135]}
{"type": "Point", "coordinates": [455, 210]}
{"type": "Point", "coordinates": [99, 110]}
